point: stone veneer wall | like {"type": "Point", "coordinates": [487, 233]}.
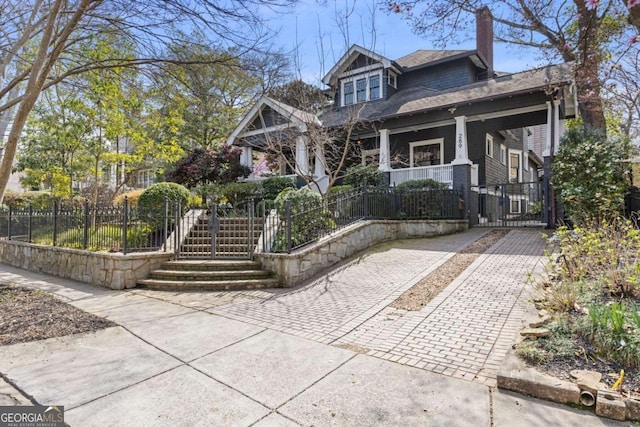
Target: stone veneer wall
{"type": "Point", "coordinates": [307, 262]}
{"type": "Point", "coordinates": [110, 270]}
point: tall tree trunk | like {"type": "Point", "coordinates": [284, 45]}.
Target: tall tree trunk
{"type": "Point", "coordinates": [589, 99]}
{"type": "Point", "coordinates": [40, 70]}
{"type": "Point", "coordinates": [588, 66]}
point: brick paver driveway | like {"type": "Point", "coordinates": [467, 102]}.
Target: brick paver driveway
{"type": "Point", "coordinates": [464, 332]}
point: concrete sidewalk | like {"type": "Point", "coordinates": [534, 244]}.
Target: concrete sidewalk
{"type": "Point", "coordinates": [330, 352]}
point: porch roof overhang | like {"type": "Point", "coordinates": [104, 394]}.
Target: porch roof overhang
{"type": "Point", "coordinates": [520, 93]}
{"type": "Point", "coordinates": [293, 118]}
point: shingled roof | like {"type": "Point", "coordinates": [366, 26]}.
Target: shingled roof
{"type": "Point", "coordinates": [424, 57]}
{"type": "Point", "coordinates": [420, 99]}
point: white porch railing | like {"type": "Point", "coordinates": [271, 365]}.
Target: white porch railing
{"type": "Point", "coordinates": [440, 173]}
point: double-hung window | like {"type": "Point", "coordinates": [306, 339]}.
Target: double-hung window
{"type": "Point", "coordinates": [374, 86]}
{"type": "Point", "coordinates": [348, 93]}
{"type": "Point", "coordinates": [361, 90]}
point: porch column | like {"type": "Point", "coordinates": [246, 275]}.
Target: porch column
{"type": "Point", "coordinates": [384, 163]}
{"type": "Point", "coordinates": [246, 159]}
{"type": "Point", "coordinates": [552, 143]}
{"type": "Point", "coordinates": [302, 156]}
{"type": "Point", "coordinates": [319, 171]}
{"type": "Point", "coordinates": [553, 129]}
{"type": "Point", "coordinates": [462, 145]}
{"type": "Point", "coordinates": [462, 170]}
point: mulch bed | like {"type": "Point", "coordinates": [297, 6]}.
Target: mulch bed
{"type": "Point", "coordinates": [587, 359]}
{"type": "Point", "coordinates": [30, 315]}
{"type": "Point", "coordinates": [420, 294]}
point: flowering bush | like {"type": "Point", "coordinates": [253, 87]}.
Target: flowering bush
{"type": "Point", "coordinates": [208, 166]}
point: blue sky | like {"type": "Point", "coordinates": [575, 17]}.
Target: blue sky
{"type": "Point", "coordinates": [312, 26]}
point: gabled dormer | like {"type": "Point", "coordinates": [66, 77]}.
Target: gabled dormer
{"type": "Point", "coordinates": [362, 75]}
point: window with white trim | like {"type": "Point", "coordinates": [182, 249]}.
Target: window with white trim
{"type": "Point", "coordinates": [515, 206]}
{"type": "Point", "coordinates": [348, 93]}
{"type": "Point", "coordinates": [393, 80]}
{"type": "Point", "coordinates": [361, 88]}
{"type": "Point", "coordinates": [374, 86]}
{"type": "Point", "coordinates": [426, 153]}
{"type": "Point", "coordinates": [515, 166]}
{"type": "Point", "coordinates": [489, 143]}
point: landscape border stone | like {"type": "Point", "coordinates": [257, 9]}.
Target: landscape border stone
{"type": "Point", "coordinates": [515, 375]}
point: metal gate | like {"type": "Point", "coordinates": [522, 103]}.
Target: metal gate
{"type": "Point", "coordinates": [222, 231]}
{"type": "Point", "coordinates": [509, 205]}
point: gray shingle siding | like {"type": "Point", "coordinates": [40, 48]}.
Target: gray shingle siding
{"type": "Point", "coordinates": [440, 77]}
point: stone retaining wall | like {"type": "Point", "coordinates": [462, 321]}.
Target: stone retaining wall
{"type": "Point", "coordinates": [110, 270]}
{"type": "Point", "coordinates": [307, 262]}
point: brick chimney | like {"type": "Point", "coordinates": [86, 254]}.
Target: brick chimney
{"type": "Point", "coordinates": [484, 36]}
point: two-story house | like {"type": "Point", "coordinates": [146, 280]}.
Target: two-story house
{"type": "Point", "coordinates": [445, 115]}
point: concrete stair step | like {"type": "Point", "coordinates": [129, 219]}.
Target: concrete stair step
{"type": "Point", "coordinates": [201, 240]}
{"type": "Point", "coordinates": [202, 285]}
{"type": "Point", "coordinates": [205, 275]}
{"type": "Point", "coordinates": [220, 247]}
{"type": "Point", "coordinates": [211, 265]}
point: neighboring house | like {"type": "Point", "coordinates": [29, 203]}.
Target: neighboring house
{"type": "Point", "coordinates": [445, 115]}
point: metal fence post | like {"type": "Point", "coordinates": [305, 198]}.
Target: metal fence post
{"type": "Point", "coordinates": [9, 223]}
{"type": "Point", "coordinates": [365, 200]}
{"type": "Point", "coordinates": [251, 226]}
{"type": "Point", "coordinates": [288, 220]}
{"type": "Point", "coordinates": [85, 238]}
{"type": "Point", "coordinates": [30, 223]}
{"type": "Point", "coordinates": [125, 220]}
{"type": "Point", "coordinates": [55, 221]}
{"type": "Point", "coordinates": [177, 233]}
{"type": "Point", "coordinates": [165, 229]}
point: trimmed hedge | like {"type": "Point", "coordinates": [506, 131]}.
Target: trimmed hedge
{"type": "Point", "coordinates": [151, 201]}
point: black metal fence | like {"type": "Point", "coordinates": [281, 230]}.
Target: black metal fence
{"type": "Point", "coordinates": [291, 226]}
{"type": "Point", "coordinates": [509, 204]}
{"type": "Point", "coordinates": [112, 228]}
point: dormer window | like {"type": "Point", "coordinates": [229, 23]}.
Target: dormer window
{"type": "Point", "coordinates": [374, 87]}
{"type": "Point", "coordinates": [348, 93]}
{"type": "Point", "coordinates": [392, 80]}
{"type": "Point", "coordinates": [361, 87]}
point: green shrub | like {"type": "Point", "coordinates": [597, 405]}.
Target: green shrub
{"type": "Point", "coordinates": [273, 185]}
{"type": "Point", "coordinates": [337, 189]}
{"type": "Point", "coordinates": [237, 193]}
{"type": "Point", "coordinates": [13, 199]}
{"type": "Point", "coordinates": [614, 330]}
{"type": "Point", "coordinates": [132, 197]}
{"type": "Point", "coordinates": [151, 201]}
{"type": "Point", "coordinates": [308, 216]}
{"type": "Point", "coordinates": [422, 184]}
{"type": "Point", "coordinates": [38, 199]}
{"type": "Point", "coordinates": [357, 175]}
{"type": "Point", "coordinates": [590, 174]}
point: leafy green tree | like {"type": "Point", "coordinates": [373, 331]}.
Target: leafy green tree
{"type": "Point", "coordinates": [39, 36]}
{"type": "Point", "coordinates": [214, 87]}
{"type": "Point", "coordinates": [52, 150]}
{"type": "Point", "coordinates": [590, 173]}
